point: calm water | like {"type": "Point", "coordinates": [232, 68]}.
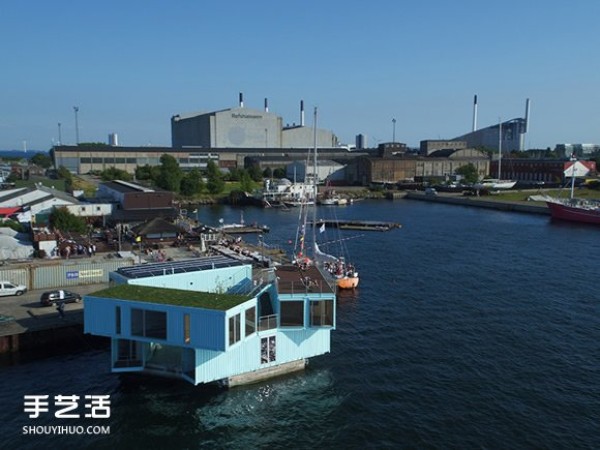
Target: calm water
{"type": "Point", "coordinates": [471, 329]}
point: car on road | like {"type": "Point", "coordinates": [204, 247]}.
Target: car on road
{"type": "Point", "coordinates": [53, 297]}
{"type": "Point", "coordinates": [8, 288]}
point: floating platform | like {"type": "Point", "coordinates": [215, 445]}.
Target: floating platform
{"type": "Point", "coordinates": [363, 225]}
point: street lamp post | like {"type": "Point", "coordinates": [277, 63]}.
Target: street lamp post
{"type": "Point", "coordinates": [76, 109]}
{"type": "Point", "coordinates": [393, 130]}
{"type": "Point", "coordinates": [59, 135]}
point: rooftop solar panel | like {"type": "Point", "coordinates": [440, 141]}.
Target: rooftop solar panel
{"type": "Point", "coordinates": [184, 266]}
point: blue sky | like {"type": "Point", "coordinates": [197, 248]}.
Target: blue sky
{"type": "Point", "coordinates": [130, 65]}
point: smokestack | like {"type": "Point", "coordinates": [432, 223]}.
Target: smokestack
{"type": "Point", "coordinates": [527, 103]}
{"type": "Point", "coordinates": [266, 105]}
{"type": "Point", "coordinates": [475, 113]}
{"type": "Point", "coordinates": [301, 113]}
{"type": "Point", "coordinates": [241, 100]}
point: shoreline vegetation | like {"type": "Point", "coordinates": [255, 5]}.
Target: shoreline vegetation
{"type": "Point", "coordinates": [89, 184]}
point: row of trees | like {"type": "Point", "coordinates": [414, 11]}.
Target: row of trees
{"type": "Point", "coordinates": [169, 176]}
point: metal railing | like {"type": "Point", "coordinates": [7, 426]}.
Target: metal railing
{"type": "Point", "coordinates": [267, 322]}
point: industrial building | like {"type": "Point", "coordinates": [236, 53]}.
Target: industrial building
{"type": "Point", "coordinates": [506, 136]}
{"type": "Point", "coordinates": [242, 127]}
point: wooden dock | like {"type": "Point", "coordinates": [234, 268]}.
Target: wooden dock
{"type": "Point", "coordinates": [362, 225]}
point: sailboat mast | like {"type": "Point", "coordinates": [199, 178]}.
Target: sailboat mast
{"type": "Point", "coordinates": [314, 179]}
{"type": "Point", "coordinates": [573, 162]}
{"type": "Point", "coordinates": [499, 148]}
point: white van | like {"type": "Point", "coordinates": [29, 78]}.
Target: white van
{"type": "Point", "coordinates": [8, 288]}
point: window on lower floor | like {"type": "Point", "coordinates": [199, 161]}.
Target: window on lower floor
{"type": "Point", "coordinates": [321, 313]}
{"type": "Point", "coordinates": [147, 323]}
{"type": "Point", "coordinates": [234, 329]}
{"type": "Point", "coordinates": [250, 321]}
{"type": "Point", "coordinates": [118, 320]}
{"type": "Point", "coordinates": [267, 350]}
{"type": "Point", "coordinates": [128, 354]}
{"type": "Point", "coordinates": [292, 314]}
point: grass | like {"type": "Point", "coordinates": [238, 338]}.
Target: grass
{"type": "Point", "coordinates": [176, 297]}
{"type": "Point", "coordinates": [516, 196]}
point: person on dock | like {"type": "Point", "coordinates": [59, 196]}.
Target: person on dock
{"type": "Point", "coordinates": [61, 309]}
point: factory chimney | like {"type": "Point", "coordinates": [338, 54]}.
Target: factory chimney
{"type": "Point", "coordinates": [527, 105]}
{"type": "Point", "coordinates": [266, 105]}
{"type": "Point", "coordinates": [241, 100]}
{"type": "Point", "coordinates": [301, 113]}
{"type": "Point", "coordinates": [475, 113]}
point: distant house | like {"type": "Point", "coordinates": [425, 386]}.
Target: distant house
{"type": "Point", "coordinates": [213, 319]}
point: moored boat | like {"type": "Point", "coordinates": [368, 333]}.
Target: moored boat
{"type": "Point", "coordinates": [574, 209]}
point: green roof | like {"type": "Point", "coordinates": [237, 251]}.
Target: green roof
{"type": "Point", "coordinates": [177, 297]}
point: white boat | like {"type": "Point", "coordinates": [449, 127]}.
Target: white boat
{"type": "Point", "coordinates": [494, 184]}
{"type": "Point", "coordinates": [284, 192]}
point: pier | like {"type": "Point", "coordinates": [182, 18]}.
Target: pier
{"type": "Point", "coordinates": [481, 202]}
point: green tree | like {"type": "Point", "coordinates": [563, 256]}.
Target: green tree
{"type": "Point", "coordinates": [246, 183]}
{"type": "Point", "coordinates": [42, 159]}
{"type": "Point", "coordinates": [112, 173]}
{"type": "Point", "coordinates": [267, 173]}
{"type": "Point", "coordinates": [215, 184]}
{"type": "Point", "coordinates": [279, 173]}
{"type": "Point", "coordinates": [170, 174]}
{"type": "Point", "coordinates": [61, 219]}
{"type": "Point", "coordinates": [192, 183]}
{"type": "Point", "coordinates": [63, 173]}
{"type": "Point", "coordinates": [13, 224]}
{"type": "Point", "coordinates": [255, 172]}
{"type": "Point", "coordinates": [235, 174]}
{"type": "Point", "coordinates": [147, 172]}
{"type": "Point", "coordinates": [469, 173]}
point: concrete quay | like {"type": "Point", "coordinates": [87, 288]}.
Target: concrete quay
{"type": "Point", "coordinates": [479, 202]}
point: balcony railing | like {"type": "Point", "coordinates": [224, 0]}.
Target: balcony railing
{"type": "Point", "coordinates": [267, 322]}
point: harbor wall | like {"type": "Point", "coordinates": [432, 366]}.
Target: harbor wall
{"type": "Point", "coordinates": [479, 202]}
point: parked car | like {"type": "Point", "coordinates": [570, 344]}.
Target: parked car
{"type": "Point", "coordinates": [52, 297]}
{"type": "Point", "coordinates": [8, 288]}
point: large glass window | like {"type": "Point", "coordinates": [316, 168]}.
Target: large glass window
{"type": "Point", "coordinates": [250, 321]}
{"type": "Point", "coordinates": [321, 313]}
{"type": "Point", "coordinates": [234, 329]}
{"type": "Point", "coordinates": [146, 323]}
{"type": "Point", "coordinates": [128, 354]}
{"type": "Point", "coordinates": [292, 314]}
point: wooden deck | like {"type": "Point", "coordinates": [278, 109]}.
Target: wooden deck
{"type": "Point", "coordinates": [292, 280]}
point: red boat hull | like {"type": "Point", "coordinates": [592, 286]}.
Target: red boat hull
{"type": "Point", "coordinates": [574, 213]}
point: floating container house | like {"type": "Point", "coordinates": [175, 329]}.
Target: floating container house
{"type": "Point", "coordinates": [213, 319]}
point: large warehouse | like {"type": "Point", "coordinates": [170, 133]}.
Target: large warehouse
{"type": "Point", "coordinates": [242, 127]}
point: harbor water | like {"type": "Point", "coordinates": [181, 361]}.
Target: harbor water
{"type": "Point", "coordinates": [470, 329]}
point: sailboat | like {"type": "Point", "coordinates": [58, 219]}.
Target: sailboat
{"type": "Point", "coordinates": [497, 183]}
{"type": "Point", "coordinates": [574, 209]}
{"type": "Point", "coordinates": [337, 269]}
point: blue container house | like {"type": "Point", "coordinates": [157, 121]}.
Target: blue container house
{"type": "Point", "coordinates": [213, 319]}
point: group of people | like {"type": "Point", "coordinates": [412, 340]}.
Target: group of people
{"type": "Point", "coordinates": [339, 269]}
{"type": "Point", "coordinates": [68, 248]}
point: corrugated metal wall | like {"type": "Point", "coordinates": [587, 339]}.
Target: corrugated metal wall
{"type": "Point", "coordinates": [76, 273]}
{"type": "Point", "coordinates": [15, 276]}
